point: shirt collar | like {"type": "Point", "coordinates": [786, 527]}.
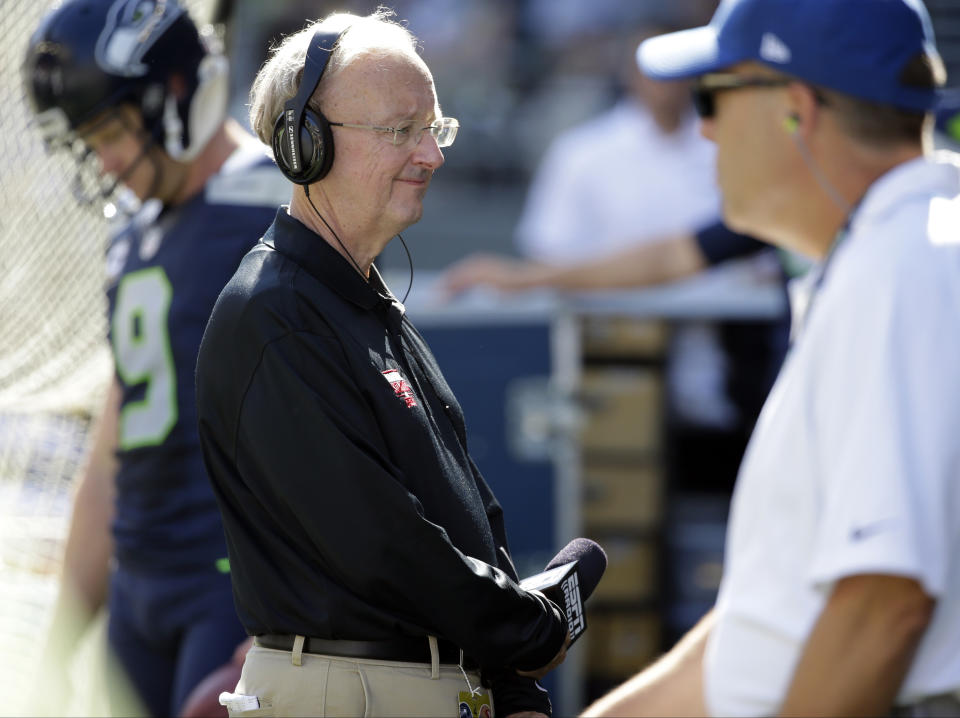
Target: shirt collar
{"type": "Point", "coordinates": [917, 177]}
{"type": "Point", "coordinates": [301, 244]}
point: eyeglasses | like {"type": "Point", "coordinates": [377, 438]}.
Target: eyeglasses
{"type": "Point", "coordinates": [704, 92]}
{"type": "Point", "coordinates": [443, 130]}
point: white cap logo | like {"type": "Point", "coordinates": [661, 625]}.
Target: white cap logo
{"type": "Point", "coordinates": [773, 49]}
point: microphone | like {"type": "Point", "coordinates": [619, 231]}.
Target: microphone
{"type": "Point", "coordinates": [569, 579]}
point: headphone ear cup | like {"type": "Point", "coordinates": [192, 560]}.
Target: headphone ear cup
{"type": "Point", "coordinates": [316, 148]}
{"type": "Point", "coordinates": [316, 144]}
{"type": "Point", "coordinates": [281, 148]}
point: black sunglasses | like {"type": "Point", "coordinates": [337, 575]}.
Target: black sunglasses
{"type": "Point", "coordinates": [704, 92]}
{"type": "Point", "coordinates": [708, 86]}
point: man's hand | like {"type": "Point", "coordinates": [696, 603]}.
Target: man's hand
{"type": "Point", "coordinates": [672, 686]}
{"type": "Point", "coordinates": [502, 273]}
{"type": "Point", "coordinates": [557, 660]}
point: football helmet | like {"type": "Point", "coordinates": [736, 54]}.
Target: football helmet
{"type": "Point", "coordinates": [88, 56]}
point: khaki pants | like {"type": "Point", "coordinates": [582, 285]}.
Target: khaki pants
{"type": "Point", "coordinates": [335, 686]}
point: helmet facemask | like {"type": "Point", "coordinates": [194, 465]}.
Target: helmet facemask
{"type": "Point", "coordinates": [91, 56]}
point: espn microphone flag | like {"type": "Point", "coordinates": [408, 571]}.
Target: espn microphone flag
{"type": "Point", "coordinates": [569, 579]}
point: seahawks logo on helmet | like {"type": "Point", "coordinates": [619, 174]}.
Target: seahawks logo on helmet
{"type": "Point", "coordinates": [131, 29]}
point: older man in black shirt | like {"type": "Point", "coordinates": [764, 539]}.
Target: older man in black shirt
{"type": "Point", "coordinates": [368, 555]}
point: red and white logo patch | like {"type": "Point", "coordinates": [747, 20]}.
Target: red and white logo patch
{"type": "Point", "coordinates": [401, 387]}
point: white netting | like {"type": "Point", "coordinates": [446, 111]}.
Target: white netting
{"type": "Point", "coordinates": [54, 360]}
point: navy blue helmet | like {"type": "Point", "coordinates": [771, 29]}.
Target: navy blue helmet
{"type": "Point", "coordinates": [89, 56]}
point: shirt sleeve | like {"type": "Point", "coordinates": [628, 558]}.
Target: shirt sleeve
{"type": "Point", "coordinates": [718, 243]}
{"type": "Point", "coordinates": [307, 432]}
{"type": "Point", "coordinates": [512, 693]}
{"type": "Point", "coordinates": [888, 452]}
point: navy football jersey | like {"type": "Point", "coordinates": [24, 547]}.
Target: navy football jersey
{"type": "Point", "coordinates": [165, 270]}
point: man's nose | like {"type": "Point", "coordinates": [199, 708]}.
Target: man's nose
{"type": "Point", "coordinates": [427, 152]}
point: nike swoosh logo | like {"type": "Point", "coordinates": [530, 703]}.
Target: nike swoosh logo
{"type": "Point", "coordinates": [859, 533]}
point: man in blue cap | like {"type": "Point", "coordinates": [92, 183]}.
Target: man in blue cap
{"type": "Point", "coordinates": [842, 564]}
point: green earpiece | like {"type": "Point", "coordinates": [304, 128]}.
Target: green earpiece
{"type": "Point", "coordinates": [791, 123]}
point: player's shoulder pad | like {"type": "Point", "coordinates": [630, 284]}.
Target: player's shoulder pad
{"type": "Point", "coordinates": [248, 178]}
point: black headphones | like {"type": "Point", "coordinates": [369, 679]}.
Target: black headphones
{"type": "Point", "coordinates": [302, 139]}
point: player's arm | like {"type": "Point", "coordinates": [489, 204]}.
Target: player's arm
{"type": "Point", "coordinates": [89, 545]}
{"type": "Point", "coordinates": [637, 266]}
{"type": "Point", "coordinates": [861, 648]}
{"type": "Point", "coordinates": [640, 265]}
{"type": "Point", "coordinates": [673, 686]}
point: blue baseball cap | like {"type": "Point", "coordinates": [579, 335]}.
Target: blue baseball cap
{"type": "Point", "coordinates": [857, 47]}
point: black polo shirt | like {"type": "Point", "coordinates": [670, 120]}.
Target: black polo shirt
{"type": "Point", "coordinates": [338, 454]}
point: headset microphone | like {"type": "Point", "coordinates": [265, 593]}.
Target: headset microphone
{"type": "Point", "coordinates": [406, 294]}
{"type": "Point", "coordinates": [302, 138]}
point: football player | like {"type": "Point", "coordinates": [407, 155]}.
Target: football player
{"type": "Point", "coordinates": [132, 89]}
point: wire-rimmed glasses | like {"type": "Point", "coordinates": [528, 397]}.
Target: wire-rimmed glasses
{"type": "Point", "coordinates": [444, 131]}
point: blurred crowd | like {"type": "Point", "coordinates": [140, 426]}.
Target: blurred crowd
{"type": "Point", "coordinates": [514, 72]}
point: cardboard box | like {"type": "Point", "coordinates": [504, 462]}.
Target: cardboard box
{"type": "Point", "coordinates": [627, 497]}
{"type": "Point", "coordinates": [623, 410]}
{"type": "Point", "coordinates": [619, 644]}
{"type": "Point", "coordinates": [611, 337]}
{"type": "Point", "coordinates": [631, 574]}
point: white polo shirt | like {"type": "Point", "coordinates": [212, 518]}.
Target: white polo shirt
{"type": "Point", "coordinates": [854, 465]}
{"type": "Point", "coordinates": [617, 181]}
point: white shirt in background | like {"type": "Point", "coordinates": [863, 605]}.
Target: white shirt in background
{"type": "Point", "coordinates": [615, 181]}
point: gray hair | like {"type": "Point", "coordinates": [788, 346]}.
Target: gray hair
{"type": "Point", "coordinates": [278, 80]}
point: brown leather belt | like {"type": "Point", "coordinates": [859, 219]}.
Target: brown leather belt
{"type": "Point", "coordinates": [410, 650]}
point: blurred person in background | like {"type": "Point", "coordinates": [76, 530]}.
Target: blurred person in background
{"type": "Point", "coordinates": [133, 90]}
{"type": "Point", "coordinates": [841, 584]}
{"type": "Point", "coordinates": [369, 557]}
{"type": "Point", "coordinates": [639, 170]}
{"type": "Point", "coordinates": [629, 199]}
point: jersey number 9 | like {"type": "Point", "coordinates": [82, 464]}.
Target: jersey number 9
{"type": "Point", "coordinates": [141, 349]}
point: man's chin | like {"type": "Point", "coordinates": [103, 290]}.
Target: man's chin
{"type": "Point", "coordinates": [738, 218]}
{"type": "Point", "coordinates": [411, 216]}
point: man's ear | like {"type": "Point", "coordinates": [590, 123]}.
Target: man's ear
{"type": "Point", "coordinates": [802, 111]}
